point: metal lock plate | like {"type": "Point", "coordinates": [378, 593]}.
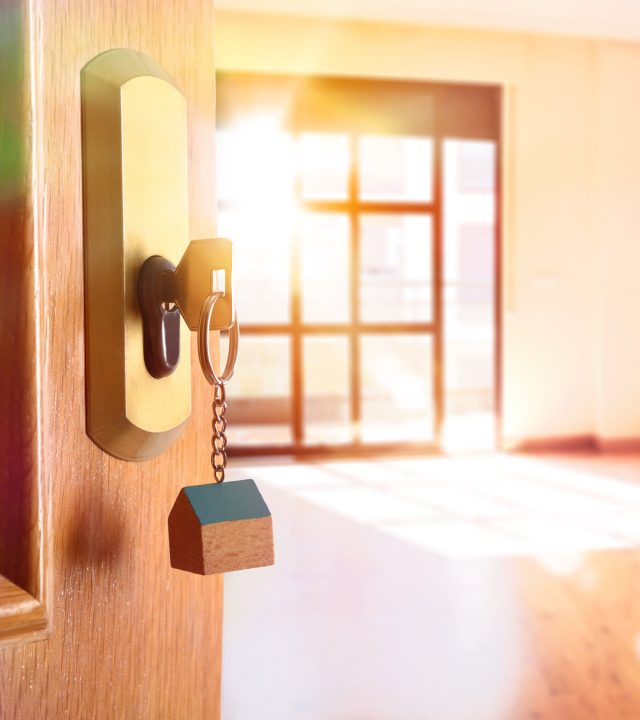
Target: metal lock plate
{"type": "Point", "coordinates": [135, 185]}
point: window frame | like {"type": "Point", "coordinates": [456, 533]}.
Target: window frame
{"type": "Point", "coordinates": [357, 107]}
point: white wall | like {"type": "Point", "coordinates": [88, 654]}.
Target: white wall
{"type": "Point", "coordinates": [618, 288]}
{"type": "Point", "coordinates": [569, 195]}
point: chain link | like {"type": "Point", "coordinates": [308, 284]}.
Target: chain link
{"type": "Point", "coordinates": [218, 438]}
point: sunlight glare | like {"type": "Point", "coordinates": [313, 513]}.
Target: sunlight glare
{"type": "Point", "coordinates": [483, 506]}
{"type": "Point", "coordinates": [256, 167]}
{"type": "Point", "coordinates": [469, 432]}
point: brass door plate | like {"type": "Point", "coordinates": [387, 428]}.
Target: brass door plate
{"type": "Point", "coordinates": [135, 185]}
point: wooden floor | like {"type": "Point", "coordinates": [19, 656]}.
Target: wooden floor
{"type": "Point", "coordinates": [484, 588]}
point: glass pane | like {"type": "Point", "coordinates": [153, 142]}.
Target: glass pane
{"type": "Point", "coordinates": [397, 379]}
{"type": "Point", "coordinates": [259, 397]}
{"type": "Point", "coordinates": [255, 166]}
{"type": "Point", "coordinates": [469, 340]}
{"type": "Point", "coordinates": [325, 268]}
{"type": "Point", "coordinates": [324, 166]}
{"type": "Point", "coordinates": [396, 169]}
{"type": "Point", "coordinates": [262, 266]}
{"type": "Point", "coordinates": [326, 390]}
{"type": "Point", "coordinates": [475, 161]}
{"type": "Point", "coordinates": [395, 268]}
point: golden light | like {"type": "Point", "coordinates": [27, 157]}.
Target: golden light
{"type": "Point", "coordinates": [256, 169]}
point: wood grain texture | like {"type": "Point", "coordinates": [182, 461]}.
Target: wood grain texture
{"type": "Point", "coordinates": [22, 617]}
{"type": "Point", "coordinates": [582, 633]}
{"type": "Point", "coordinates": [123, 622]}
{"type": "Point", "coordinates": [185, 537]}
{"type": "Point", "coordinates": [20, 526]}
{"type": "Point", "coordinates": [237, 545]}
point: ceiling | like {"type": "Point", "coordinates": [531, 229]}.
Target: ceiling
{"type": "Point", "coordinates": [598, 18]}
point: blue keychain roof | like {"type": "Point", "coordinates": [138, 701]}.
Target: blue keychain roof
{"type": "Point", "coordinates": [226, 501]}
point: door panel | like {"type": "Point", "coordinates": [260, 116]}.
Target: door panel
{"type": "Point", "coordinates": [83, 535]}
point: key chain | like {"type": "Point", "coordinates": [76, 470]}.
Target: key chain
{"type": "Point", "coordinates": [221, 526]}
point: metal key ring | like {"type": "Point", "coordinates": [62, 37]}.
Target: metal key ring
{"type": "Point", "coordinates": [204, 350]}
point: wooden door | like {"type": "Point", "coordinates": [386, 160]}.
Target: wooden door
{"type": "Point", "coordinates": [93, 621]}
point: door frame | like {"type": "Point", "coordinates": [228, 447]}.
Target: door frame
{"type": "Point", "coordinates": [25, 570]}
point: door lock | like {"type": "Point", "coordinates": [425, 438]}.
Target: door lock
{"type": "Point", "coordinates": [166, 292]}
{"type": "Point", "coordinates": [141, 271]}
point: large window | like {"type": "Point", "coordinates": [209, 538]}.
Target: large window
{"type": "Point", "coordinates": [334, 193]}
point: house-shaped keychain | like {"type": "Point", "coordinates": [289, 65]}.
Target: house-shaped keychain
{"type": "Point", "coordinates": [220, 527]}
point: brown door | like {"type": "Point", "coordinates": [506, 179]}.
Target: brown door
{"type": "Point", "coordinates": [93, 621]}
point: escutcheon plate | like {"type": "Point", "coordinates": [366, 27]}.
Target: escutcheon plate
{"type": "Point", "coordinates": [135, 192]}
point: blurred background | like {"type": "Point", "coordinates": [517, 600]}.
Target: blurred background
{"type": "Point", "coordinates": [435, 212]}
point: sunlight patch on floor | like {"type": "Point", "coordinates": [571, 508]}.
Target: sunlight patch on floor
{"type": "Point", "coordinates": [492, 505]}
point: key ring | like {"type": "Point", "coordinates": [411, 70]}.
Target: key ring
{"type": "Point", "coordinates": [219, 404]}
{"type": "Point", "coordinates": [204, 350]}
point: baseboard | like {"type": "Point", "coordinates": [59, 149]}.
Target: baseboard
{"type": "Point", "coordinates": [618, 445]}
{"type": "Point", "coordinates": [573, 443]}
{"type": "Point", "coordinates": [560, 443]}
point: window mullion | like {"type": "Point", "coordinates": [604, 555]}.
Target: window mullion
{"type": "Point", "coordinates": [297, 390]}
{"type": "Point", "coordinates": [355, 384]}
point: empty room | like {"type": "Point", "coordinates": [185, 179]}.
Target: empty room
{"type": "Point", "coordinates": [319, 362]}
